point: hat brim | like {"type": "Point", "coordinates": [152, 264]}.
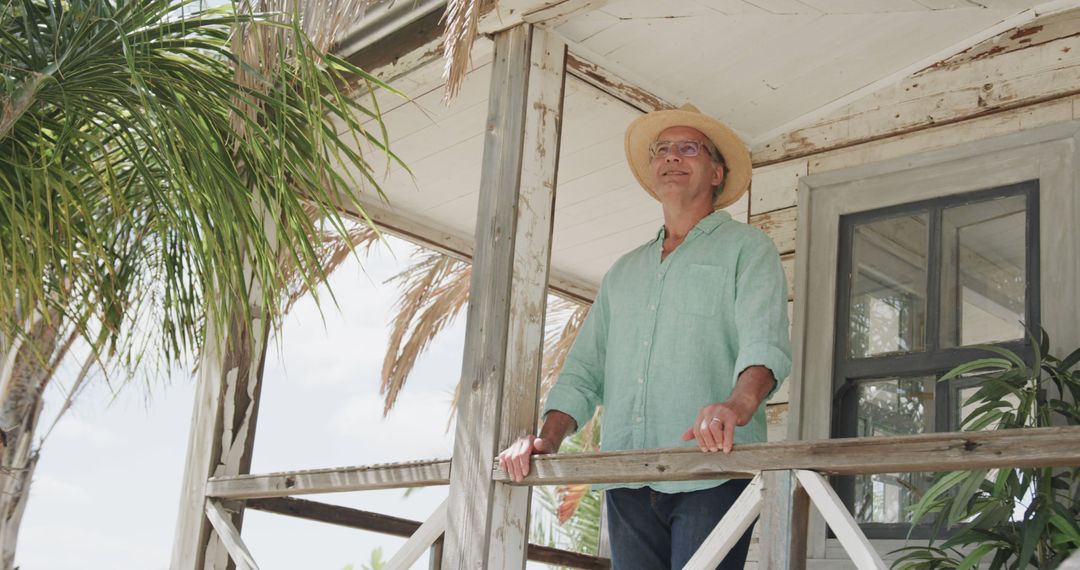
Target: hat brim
{"type": "Point", "coordinates": [643, 131]}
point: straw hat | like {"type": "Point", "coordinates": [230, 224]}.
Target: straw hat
{"type": "Point", "coordinates": [643, 131]}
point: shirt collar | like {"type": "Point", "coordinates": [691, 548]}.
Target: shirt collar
{"type": "Point", "coordinates": [706, 224]}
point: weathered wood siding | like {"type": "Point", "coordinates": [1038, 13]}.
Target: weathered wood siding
{"type": "Point", "coordinates": [1022, 79]}
{"type": "Point", "coordinates": [1019, 68]}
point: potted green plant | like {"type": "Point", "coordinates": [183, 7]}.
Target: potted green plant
{"type": "Point", "coordinates": [1006, 518]}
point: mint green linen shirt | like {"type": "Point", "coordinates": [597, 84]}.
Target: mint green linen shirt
{"type": "Point", "coordinates": [665, 338]}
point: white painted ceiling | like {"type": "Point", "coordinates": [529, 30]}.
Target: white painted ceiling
{"type": "Point", "coordinates": [759, 65]}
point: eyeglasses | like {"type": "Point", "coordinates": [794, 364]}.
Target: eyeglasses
{"type": "Point", "coordinates": [686, 148]}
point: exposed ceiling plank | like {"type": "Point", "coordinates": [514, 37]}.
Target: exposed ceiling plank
{"type": "Point", "coordinates": [1015, 21]}
{"type": "Point", "coordinates": [610, 83]}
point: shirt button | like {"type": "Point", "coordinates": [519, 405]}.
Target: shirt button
{"type": "Point", "coordinates": [652, 307]}
{"type": "Point", "coordinates": [637, 419]}
{"type": "Point", "coordinates": [641, 380]}
{"type": "Point", "coordinates": [645, 343]}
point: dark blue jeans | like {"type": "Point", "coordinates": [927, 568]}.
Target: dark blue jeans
{"type": "Point", "coordinates": [650, 530]}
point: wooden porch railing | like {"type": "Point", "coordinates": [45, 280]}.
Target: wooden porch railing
{"type": "Point", "coordinates": [785, 475]}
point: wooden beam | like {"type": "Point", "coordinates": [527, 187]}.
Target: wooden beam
{"type": "Point", "coordinates": [381, 36]}
{"type": "Point", "coordinates": [1033, 447]}
{"type": "Point", "coordinates": [420, 541]}
{"type": "Point", "coordinates": [468, 537]}
{"type": "Point", "coordinates": [504, 336]}
{"type": "Point", "coordinates": [838, 517]}
{"type": "Point", "coordinates": [529, 282]}
{"type": "Point", "coordinates": [730, 528]}
{"type": "Point", "coordinates": [783, 522]}
{"type": "Point", "coordinates": [230, 536]}
{"type": "Point", "coordinates": [336, 514]}
{"type": "Point", "coordinates": [394, 526]}
{"type": "Point", "coordinates": [619, 88]}
{"type": "Point", "coordinates": [507, 14]}
{"type": "Point", "coordinates": [363, 478]}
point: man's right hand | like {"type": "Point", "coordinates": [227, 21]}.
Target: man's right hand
{"type": "Point", "coordinates": [515, 459]}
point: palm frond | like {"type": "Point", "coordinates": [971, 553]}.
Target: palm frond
{"type": "Point", "coordinates": [565, 319]}
{"type": "Point", "coordinates": [462, 21]}
{"type": "Point", "coordinates": [145, 144]}
{"type": "Point", "coordinates": [332, 251]}
{"type": "Point", "coordinates": [434, 291]}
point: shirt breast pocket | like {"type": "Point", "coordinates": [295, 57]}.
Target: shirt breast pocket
{"type": "Point", "coordinates": [701, 292]}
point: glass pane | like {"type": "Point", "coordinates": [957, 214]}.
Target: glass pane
{"type": "Point", "coordinates": [888, 287]}
{"type": "Point", "coordinates": [984, 256]}
{"type": "Point", "coordinates": [892, 406]}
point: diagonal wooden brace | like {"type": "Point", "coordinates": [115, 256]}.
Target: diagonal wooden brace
{"type": "Point", "coordinates": [421, 540]}
{"type": "Point", "coordinates": [730, 528]}
{"type": "Point", "coordinates": [221, 520]}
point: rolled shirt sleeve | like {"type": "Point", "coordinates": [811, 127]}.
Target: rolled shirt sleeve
{"type": "Point", "coordinates": [761, 310]}
{"type": "Point", "coordinates": [580, 388]}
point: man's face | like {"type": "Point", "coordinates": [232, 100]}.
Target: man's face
{"type": "Point", "coordinates": [684, 179]}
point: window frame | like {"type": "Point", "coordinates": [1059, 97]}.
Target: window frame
{"type": "Point", "coordinates": [933, 359]}
{"type": "Point", "coordinates": [910, 169]}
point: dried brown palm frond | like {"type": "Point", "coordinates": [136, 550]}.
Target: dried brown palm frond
{"type": "Point", "coordinates": [569, 498]}
{"type": "Point", "coordinates": [564, 320]}
{"type": "Point", "coordinates": [434, 289]}
{"type": "Point", "coordinates": [462, 20]}
{"type": "Point", "coordinates": [326, 20]}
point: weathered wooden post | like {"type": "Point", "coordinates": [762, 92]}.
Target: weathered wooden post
{"type": "Point", "coordinates": [488, 522]}
{"type": "Point", "coordinates": [782, 529]}
{"type": "Point", "coordinates": [222, 433]}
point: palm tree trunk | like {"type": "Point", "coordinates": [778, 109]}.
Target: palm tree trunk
{"type": "Point", "coordinates": [24, 95]}
{"type": "Point", "coordinates": [26, 369]}
{"type": "Point", "coordinates": [19, 461]}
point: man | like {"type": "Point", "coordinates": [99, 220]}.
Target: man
{"type": "Point", "coordinates": [687, 337]}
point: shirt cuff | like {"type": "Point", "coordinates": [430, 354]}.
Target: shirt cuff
{"type": "Point", "coordinates": [763, 354]}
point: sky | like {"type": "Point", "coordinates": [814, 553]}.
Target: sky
{"type": "Point", "coordinates": [106, 492]}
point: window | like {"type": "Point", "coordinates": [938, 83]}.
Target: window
{"type": "Point", "coordinates": [918, 284]}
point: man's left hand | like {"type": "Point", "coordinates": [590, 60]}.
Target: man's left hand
{"type": "Point", "coordinates": [714, 429]}
{"type": "Point", "coordinates": [715, 426]}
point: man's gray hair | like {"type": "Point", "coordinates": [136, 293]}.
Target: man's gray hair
{"type": "Point", "coordinates": [717, 158]}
